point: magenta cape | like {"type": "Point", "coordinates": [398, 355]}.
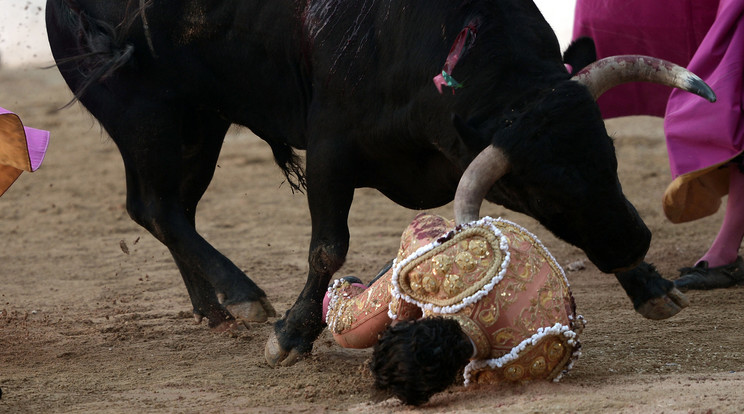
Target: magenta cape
{"type": "Point", "coordinates": [706, 36]}
{"type": "Point", "coordinates": [700, 134]}
{"type": "Point", "coordinates": [666, 29]}
{"type": "Point", "coordinates": [22, 148]}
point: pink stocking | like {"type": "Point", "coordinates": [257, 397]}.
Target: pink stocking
{"type": "Point", "coordinates": [725, 247]}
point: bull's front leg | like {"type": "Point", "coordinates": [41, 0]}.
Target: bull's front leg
{"type": "Point", "coordinates": [653, 296]}
{"type": "Point", "coordinates": [330, 190]}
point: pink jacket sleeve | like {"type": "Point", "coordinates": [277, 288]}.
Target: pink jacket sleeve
{"type": "Point", "coordinates": [357, 315]}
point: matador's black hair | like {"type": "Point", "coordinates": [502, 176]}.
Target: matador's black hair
{"type": "Point", "coordinates": [416, 359]}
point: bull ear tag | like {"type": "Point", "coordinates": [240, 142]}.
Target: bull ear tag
{"type": "Point", "coordinates": [462, 43]}
{"type": "Point", "coordinates": [454, 271]}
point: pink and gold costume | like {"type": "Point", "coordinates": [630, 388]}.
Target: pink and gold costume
{"type": "Point", "coordinates": [493, 277]}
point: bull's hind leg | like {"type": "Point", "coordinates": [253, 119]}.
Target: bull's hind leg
{"type": "Point", "coordinates": [169, 152]}
{"type": "Point", "coordinates": [203, 137]}
{"type": "Point", "coordinates": [169, 155]}
{"type": "Point", "coordinates": [164, 186]}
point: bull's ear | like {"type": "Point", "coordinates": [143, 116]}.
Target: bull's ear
{"type": "Point", "coordinates": [470, 136]}
{"type": "Point", "coordinates": [580, 53]}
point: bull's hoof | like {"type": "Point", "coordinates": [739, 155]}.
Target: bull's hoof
{"type": "Point", "coordinates": [217, 318]}
{"type": "Point", "coordinates": [221, 323]}
{"type": "Point", "coordinates": [230, 325]}
{"type": "Point", "coordinates": [277, 356]}
{"type": "Point", "coordinates": [665, 306]}
{"type": "Point", "coordinates": [253, 311]}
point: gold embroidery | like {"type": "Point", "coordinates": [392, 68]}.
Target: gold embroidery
{"type": "Point", "coordinates": [475, 333]}
{"type": "Point", "coordinates": [556, 351]}
{"type": "Point", "coordinates": [510, 228]}
{"type": "Point", "coordinates": [529, 365]}
{"type": "Point", "coordinates": [485, 377]}
{"type": "Point", "coordinates": [415, 281]}
{"type": "Point", "coordinates": [466, 261]}
{"type": "Point", "coordinates": [442, 264]}
{"type": "Point", "coordinates": [513, 372]}
{"type": "Point", "coordinates": [531, 265]}
{"type": "Point", "coordinates": [478, 247]}
{"type": "Point", "coordinates": [430, 284]}
{"type": "Point", "coordinates": [538, 366]}
{"type": "Point", "coordinates": [503, 336]}
{"type": "Point", "coordinates": [452, 285]}
{"type": "Point", "coordinates": [557, 366]}
{"type": "Point", "coordinates": [532, 294]}
{"type": "Point", "coordinates": [546, 298]}
{"type": "Point", "coordinates": [439, 288]}
{"type": "Point", "coordinates": [489, 315]}
{"type": "Point", "coordinates": [394, 307]}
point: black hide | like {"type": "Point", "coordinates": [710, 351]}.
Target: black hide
{"type": "Point", "coordinates": [350, 82]}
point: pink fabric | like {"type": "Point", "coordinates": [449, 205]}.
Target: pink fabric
{"type": "Point", "coordinates": [703, 35]}
{"type": "Point", "coordinates": [726, 245]}
{"type": "Point", "coordinates": [455, 53]}
{"type": "Point", "coordinates": [701, 134]}
{"type": "Point", "coordinates": [666, 29]}
{"type": "Point", "coordinates": [37, 141]}
{"type": "Point", "coordinates": [327, 299]}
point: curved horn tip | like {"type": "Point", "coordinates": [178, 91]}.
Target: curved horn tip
{"type": "Point", "coordinates": [700, 88]}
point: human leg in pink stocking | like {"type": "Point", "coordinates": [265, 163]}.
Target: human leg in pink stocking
{"type": "Point", "coordinates": [725, 247]}
{"type": "Point", "coordinates": [721, 266]}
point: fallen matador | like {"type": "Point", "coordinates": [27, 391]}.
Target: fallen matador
{"type": "Point", "coordinates": [485, 295]}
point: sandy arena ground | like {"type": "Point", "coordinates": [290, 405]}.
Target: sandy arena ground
{"type": "Point", "coordinates": [86, 327]}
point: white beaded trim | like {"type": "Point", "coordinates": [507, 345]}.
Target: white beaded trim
{"type": "Point", "coordinates": [333, 314]}
{"type": "Point", "coordinates": [554, 330]}
{"type": "Point", "coordinates": [542, 246]}
{"type": "Point", "coordinates": [475, 297]}
{"type": "Point", "coordinates": [390, 313]}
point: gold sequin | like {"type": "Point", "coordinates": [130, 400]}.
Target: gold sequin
{"type": "Point", "coordinates": [430, 284]}
{"type": "Point", "coordinates": [478, 247]}
{"type": "Point", "coordinates": [414, 280]}
{"type": "Point", "coordinates": [466, 261]}
{"type": "Point", "coordinates": [453, 285]}
{"type": "Point", "coordinates": [513, 372]}
{"type": "Point", "coordinates": [538, 366]}
{"type": "Point", "coordinates": [442, 263]}
{"type": "Point", "coordinates": [556, 351]}
{"type": "Point", "coordinates": [346, 321]}
{"type": "Point", "coordinates": [485, 377]}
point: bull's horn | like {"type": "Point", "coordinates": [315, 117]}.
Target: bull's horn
{"type": "Point", "coordinates": [490, 165]}
{"type": "Point", "coordinates": [611, 71]}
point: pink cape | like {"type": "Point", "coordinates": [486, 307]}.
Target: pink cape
{"type": "Point", "coordinates": [706, 36]}
{"type": "Point", "coordinates": [700, 134]}
{"type": "Point", "coordinates": [21, 148]}
{"type": "Point", "coordinates": [666, 29]}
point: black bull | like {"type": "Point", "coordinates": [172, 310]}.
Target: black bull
{"type": "Point", "coordinates": [350, 82]}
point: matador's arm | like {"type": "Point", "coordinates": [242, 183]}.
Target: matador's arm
{"type": "Point", "coordinates": [356, 314]}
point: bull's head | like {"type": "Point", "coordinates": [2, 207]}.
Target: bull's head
{"type": "Point", "coordinates": [554, 161]}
